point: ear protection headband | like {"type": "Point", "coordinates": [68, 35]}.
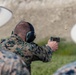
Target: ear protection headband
{"type": "Point", "coordinates": [30, 36]}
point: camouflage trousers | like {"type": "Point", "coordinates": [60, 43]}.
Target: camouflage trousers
{"type": "Point", "coordinates": [11, 64]}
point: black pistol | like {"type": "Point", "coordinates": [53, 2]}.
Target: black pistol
{"type": "Point", "coordinates": [57, 39]}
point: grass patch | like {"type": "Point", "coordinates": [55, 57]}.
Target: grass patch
{"type": "Point", "coordinates": [67, 50]}
{"type": "Point", "coordinates": [40, 68]}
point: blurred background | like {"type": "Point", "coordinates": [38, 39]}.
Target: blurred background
{"type": "Point", "coordinates": [50, 18]}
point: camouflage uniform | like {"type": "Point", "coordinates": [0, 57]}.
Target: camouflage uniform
{"type": "Point", "coordinates": [69, 69]}
{"type": "Point", "coordinates": [11, 64]}
{"type": "Point", "coordinates": [27, 51]}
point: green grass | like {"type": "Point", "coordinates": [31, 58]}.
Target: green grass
{"type": "Point", "coordinates": [64, 55]}
{"type": "Point", "coordinates": [40, 68]}
{"type": "Point", "coordinates": [68, 48]}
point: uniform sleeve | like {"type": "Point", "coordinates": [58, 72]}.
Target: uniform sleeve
{"type": "Point", "coordinates": [43, 53]}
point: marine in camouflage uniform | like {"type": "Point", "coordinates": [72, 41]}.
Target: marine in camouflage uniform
{"type": "Point", "coordinates": [27, 50]}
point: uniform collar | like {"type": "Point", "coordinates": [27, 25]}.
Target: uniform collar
{"type": "Point", "coordinates": [16, 37]}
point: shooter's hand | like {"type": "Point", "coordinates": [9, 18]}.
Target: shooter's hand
{"type": "Point", "coordinates": [53, 45]}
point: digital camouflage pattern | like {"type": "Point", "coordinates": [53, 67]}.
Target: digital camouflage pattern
{"type": "Point", "coordinates": [28, 51]}
{"type": "Point", "coordinates": [69, 69]}
{"type": "Point", "coordinates": [11, 64]}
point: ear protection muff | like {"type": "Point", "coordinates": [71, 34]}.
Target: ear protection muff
{"type": "Point", "coordinates": [30, 36]}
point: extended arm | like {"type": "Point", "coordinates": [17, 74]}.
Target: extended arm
{"type": "Point", "coordinates": [43, 53]}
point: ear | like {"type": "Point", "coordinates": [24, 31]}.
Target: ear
{"type": "Point", "coordinates": [21, 36]}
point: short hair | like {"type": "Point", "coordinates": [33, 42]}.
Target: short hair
{"type": "Point", "coordinates": [22, 27]}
